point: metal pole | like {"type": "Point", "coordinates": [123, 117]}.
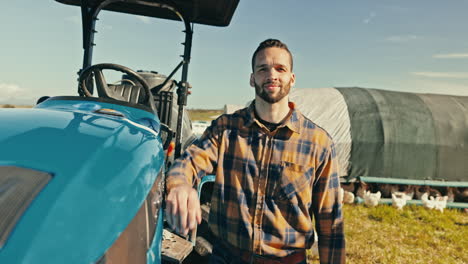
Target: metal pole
{"type": "Point", "coordinates": [89, 18]}
{"type": "Point", "coordinates": [183, 87]}
{"type": "Point", "coordinates": [462, 184]}
{"type": "Point", "coordinates": [88, 37]}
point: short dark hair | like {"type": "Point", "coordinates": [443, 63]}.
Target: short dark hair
{"type": "Point", "coordinates": [271, 43]}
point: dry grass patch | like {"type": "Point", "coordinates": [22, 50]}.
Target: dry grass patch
{"type": "Point", "coordinates": [204, 114]}
{"type": "Point", "coordinates": [413, 235]}
{"type": "Point", "coordinates": [14, 106]}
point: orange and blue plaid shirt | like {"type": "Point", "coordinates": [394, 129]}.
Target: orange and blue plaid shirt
{"type": "Point", "coordinates": [270, 186]}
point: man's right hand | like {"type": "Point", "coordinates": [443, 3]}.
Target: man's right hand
{"type": "Point", "coordinates": [183, 211]}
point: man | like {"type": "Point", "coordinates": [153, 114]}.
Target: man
{"type": "Point", "coordinates": [275, 171]}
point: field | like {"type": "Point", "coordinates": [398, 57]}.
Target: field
{"type": "Point", "coordinates": [414, 235]}
{"type": "Point", "coordinates": [14, 106]}
{"type": "Point", "coordinates": [204, 114]}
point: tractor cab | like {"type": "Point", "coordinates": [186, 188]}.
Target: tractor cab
{"type": "Point", "coordinates": [155, 92]}
{"type": "Point", "coordinates": [82, 177]}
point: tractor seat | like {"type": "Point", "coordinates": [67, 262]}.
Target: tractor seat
{"type": "Point", "coordinates": [127, 92]}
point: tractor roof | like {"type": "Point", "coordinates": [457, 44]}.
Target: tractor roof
{"type": "Point", "coordinates": [208, 12]}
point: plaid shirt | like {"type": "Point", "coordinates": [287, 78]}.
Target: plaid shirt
{"type": "Point", "coordinates": [269, 185]}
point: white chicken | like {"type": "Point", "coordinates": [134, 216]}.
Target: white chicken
{"type": "Point", "coordinates": [371, 199]}
{"type": "Point", "coordinates": [399, 199]}
{"type": "Point", "coordinates": [409, 195]}
{"type": "Point", "coordinates": [361, 189]}
{"type": "Point", "coordinates": [441, 203]}
{"type": "Point", "coordinates": [348, 197]}
{"type": "Point", "coordinates": [428, 203]}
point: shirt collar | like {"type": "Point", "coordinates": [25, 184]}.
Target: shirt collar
{"type": "Point", "coordinates": [293, 122]}
{"type": "Point", "coordinates": [250, 114]}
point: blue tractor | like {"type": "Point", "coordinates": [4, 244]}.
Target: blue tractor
{"type": "Point", "coordinates": [82, 177]}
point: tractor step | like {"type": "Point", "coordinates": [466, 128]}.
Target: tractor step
{"type": "Point", "coordinates": [174, 249]}
{"type": "Point", "coordinates": [205, 212]}
{"type": "Point", "coordinates": [203, 247]}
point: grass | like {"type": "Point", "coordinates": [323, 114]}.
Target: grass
{"type": "Point", "coordinates": [413, 235]}
{"type": "Point", "coordinates": [204, 114]}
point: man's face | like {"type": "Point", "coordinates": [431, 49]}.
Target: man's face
{"type": "Point", "coordinates": [272, 76]}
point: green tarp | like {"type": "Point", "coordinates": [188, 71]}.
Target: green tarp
{"type": "Point", "coordinates": [450, 115]}
{"type": "Point", "coordinates": [392, 135]}
{"type": "Point", "coordinates": [406, 135]}
{"type": "Point", "coordinates": [366, 133]}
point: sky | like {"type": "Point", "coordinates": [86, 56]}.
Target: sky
{"type": "Point", "coordinates": [418, 46]}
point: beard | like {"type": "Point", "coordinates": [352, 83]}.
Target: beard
{"type": "Point", "coordinates": [272, 98]}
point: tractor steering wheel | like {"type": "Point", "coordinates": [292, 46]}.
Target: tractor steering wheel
{"type": "Point", "coordinates": [105, 92]}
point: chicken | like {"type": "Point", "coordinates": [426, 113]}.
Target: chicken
{"type": "Point", "coordinates": [461, 194]}
{"type": "Point", "coordinates": [409, 195]}
{"type": "Point", "coordinates": [348, 197]}
{"type": "Point", "coordinates": [387, 189]}
{"type": "Point", "coordinates": [399, 199]}
{"type": "Point", "coordinates": [362, 189]}
{"type": "Point", "coordinates": [450, 193]}
{"type": "Point", "coordinates": [440, 203]}
{"type": "Point", "coordinates": [371, 199]}
{"type": "Point", "coordinates": [408, 190]}
{"type": "Point", "coordinates": [434, 192]}
{"type": "Point", "coordinates": [446, 191]}
{"type": "Point", "coordinates": [428, 203]}
{"type": "Point", "coordinates": [420, 191]}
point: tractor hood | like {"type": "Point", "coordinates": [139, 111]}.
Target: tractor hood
{"type": "Point", "coordinates": [102, 159]}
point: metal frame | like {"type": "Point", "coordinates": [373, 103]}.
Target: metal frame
{"type": "Point", "coordinates": [459, 205]}
{"type": "Point", "coordinates": [89, 16]}
{"type": "Point", "coordinates": [413, 182]}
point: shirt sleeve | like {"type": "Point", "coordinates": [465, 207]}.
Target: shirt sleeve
{"type": "Point", "coordinates": [327, 209]}
{"type": "Point", "coordinates": [198, 160]}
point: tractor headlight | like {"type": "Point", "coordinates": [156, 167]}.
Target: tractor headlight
{"type": "Point", "coordinates": [157, 194]}
{"type": "Point", "coordinates": [138, 240]}
{"type": "Point", "coordinates": [18, 188]}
